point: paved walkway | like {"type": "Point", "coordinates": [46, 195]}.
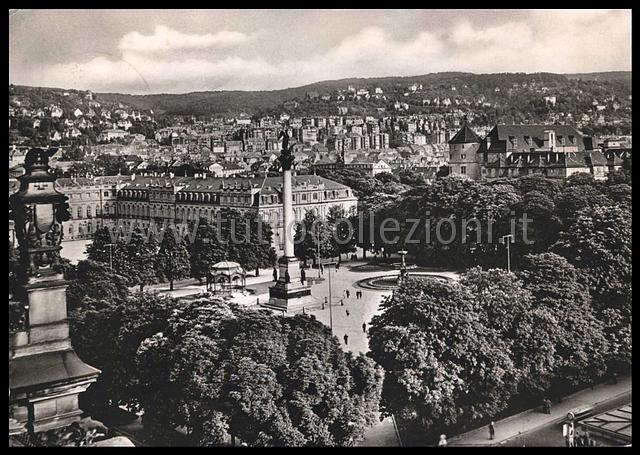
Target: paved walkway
{"type": "Point", "coordinates": [524, 422]}
{"type": "Point", "coordinates": [382, 434]}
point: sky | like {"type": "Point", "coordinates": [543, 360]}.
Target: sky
{"type": "Point", "coordinates": [178, 51]}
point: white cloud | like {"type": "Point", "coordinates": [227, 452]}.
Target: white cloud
{"type": "Point", "coordinates": [166, 39]}
{"type": "Point", "coordinates": [562, 42]}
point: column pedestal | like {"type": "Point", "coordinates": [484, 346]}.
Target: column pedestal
{"type": "Point", "coordinates": [45, 374]}
{"type": "Point", "coordinates": [291, 296]}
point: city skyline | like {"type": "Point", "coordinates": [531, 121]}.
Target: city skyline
{"type": "Point", "coordinates": [154, 51]}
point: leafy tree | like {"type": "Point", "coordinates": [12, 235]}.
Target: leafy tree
{"type": "Point", "coordinates": [106, 333]}
{"type": "Point", "coordinates": [543, 228]}
{"type": "Point", "coordinates": [81, 169]}
{"type": "Point", "coordinates": [599, 244]}
{"type": "Point", "coordinates": [73, 154]}
{"type": "Point", "coordinates": [618, 176]}
{"type": "Point", "coordinates": [387, 177]}
{"type": "Point", "coordinates": [94, 280]}
{"type": "Point", "coordinates": [343, 232]}
{"type": "Point", "coordinates": [620, 193]}
{"type": "Point", "coordinates": [581, 347]}
{"type": "Point", "coordinates": [252, 375]}
{"type": "Point", "coordinates": [100, 249]}
{"type": "Point", "coordinates": [579, 179]}
{"type": "Point", "coordinates": [172, 261]}
{"type": "Point", "coordinates": [573, 199]}
{"type": "Point", "coordinates": [106, 164]}
{"type": "Point", "coordinates": [506, 306]}
{"type": "Point", "coordinates": [132, 255]}
{"type": "Point", "coordinates": [232, 237]}
{"type": "Point", "coordinates": [442, 363]}
{"type": "Point", "coordinates": [411, 178]}
{"type": "Point", "coordinates": [252, 240]}
{"type": "Point", "coordinates": [460, 221]}
{"type": "Point", "coordinates": [136, 257]}
{"type": "Point", "coordinates": [206, 249]}
{"type": "Point", "coordinates": [309, 233]}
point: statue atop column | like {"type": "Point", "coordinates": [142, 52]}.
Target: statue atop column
{"type": "Point", "coordinates": [289, 292]}
{"type": "Point", "coordinates": [286, 157]}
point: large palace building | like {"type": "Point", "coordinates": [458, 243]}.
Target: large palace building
{"type": "Point", "coordinates": [129, 200]}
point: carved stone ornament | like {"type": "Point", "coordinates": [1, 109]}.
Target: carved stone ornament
{"type": "Point", "coordinates": [38, 210]}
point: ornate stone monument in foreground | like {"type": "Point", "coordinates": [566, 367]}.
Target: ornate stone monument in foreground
{"type": "Point", "coordinates": [288, 293]}
{"type": "Point", "coordinates": [45, 374]}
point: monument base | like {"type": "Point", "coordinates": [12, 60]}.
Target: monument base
{"type": "Point", "coordinates": [290, 294]}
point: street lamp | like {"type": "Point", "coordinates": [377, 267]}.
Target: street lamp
{"type": "Point", "coordinates": [329, 264]}
{"type": "Point", "coordinates": [170, 255]}
{"type": "Point", "coordinates": [38, 210]}
{"type": "Point", "coordinates": [403, 265]}
{"type": "Point", "coordinates": [507, 239]}
{"type": "Point", "coordinates": [318, 242]}
{"type": "Point", "coordinates": [110, 246]}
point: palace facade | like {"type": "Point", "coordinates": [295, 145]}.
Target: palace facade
{"type": "Point", "coordinates": [129, 200]}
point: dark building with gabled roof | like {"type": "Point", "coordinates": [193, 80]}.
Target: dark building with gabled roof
{"type": "Point", "coordinates": [555, 151]}
{"type": "Point", "coordinates": [465, 136]}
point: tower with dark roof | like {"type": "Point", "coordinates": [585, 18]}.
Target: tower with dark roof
{"type": "Point", "coordinates": [463, 150]}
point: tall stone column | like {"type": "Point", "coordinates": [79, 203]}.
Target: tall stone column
{"type": "Point", "coordinates": [287, 211]}
{"type": "Point", "coordinates": [45, 374]}
{"type": "Point", "coordinates": [288, 293]}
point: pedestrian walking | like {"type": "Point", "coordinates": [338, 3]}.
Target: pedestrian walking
{"type": "Point", "coordinates": [364, 327]}
{"type": "Point", "coordinates": [347, 292]}
{"type": "Point", "coordinates": [321, 269]}
{"type": "Point", "coordinates": [275, 274]}
{"type": "Point", "coordinates": [443, 441]}
{"type": "Point", "coordinates": [347, 311]}
{"type": "Point", "coordinates": [346, 339]}
{"type": "Point", "coordinates": [303, 276]}
{"type": "Point", "coordinates": [492, 430]}
{"type": "Point", "coordinates": [341, 302]}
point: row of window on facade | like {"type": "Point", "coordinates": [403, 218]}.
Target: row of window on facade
{"type": "Point", "coordinates": [135, 210]}
{"type": "Point", "coordinates": [89, 211]}
{"type": "Point", "coordinates": [90, 196]}
{"type": "Point", "coordinates": [527, 140]}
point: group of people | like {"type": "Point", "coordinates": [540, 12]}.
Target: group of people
{"type": "Point", "coordinates": [574, 438]}
{"type": "Point", "coordinates": [347, 294]}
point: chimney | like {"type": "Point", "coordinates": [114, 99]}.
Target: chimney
{"type": "Point", "coordinates": [133, 176]}
{"type": "Point", "coordinates": [549, 139]}
{"type": "Point", "coordinates": [204, 175]}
